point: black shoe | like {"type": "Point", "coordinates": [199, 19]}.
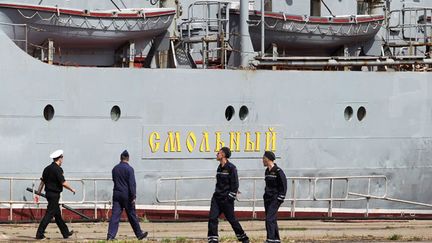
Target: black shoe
{"type": "Point", "coordinates": [68, 234]}
{"type": "Point", "coordinates": [109, 238]}
{"type": "Point", "coordinates": [144, 235]}
{"type": "Point", "coordinates": [40, 237]}
{"type": "Point", "coordinates": [245, 241]}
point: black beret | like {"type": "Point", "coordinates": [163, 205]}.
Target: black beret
{"type": "Point", "coordinates": [226, 151]}
{"type": "Point", "coordinates": [125, 153]}
{"type": "Point", "coordinates": [270, 155]}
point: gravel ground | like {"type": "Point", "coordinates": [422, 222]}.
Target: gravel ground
{"type": "Point", "coordinates": [290, 230]}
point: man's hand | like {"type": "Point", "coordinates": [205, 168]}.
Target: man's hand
{"type": "Point", "coordinates": [73, 191]}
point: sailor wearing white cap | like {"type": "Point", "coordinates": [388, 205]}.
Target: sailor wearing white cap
{"type": "Point", "coordinates": [53, 180]}
{"type": "Point", "coordinates": [56, 154]}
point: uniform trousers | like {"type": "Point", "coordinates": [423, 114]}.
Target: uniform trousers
{"type": "Point", "coordinates": [120, 202]}
{"type": "Point", "coordinates": [271, 206]}
{"type": "Point", "coordinates": [53, 210]}
{"type": "Point", "coordinates": [225, 206]}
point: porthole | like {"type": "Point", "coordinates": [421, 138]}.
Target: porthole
{"type": "Point", "coordinates": [348, 113]}
{"type": "Point", "coordinates": [244, 112]}
{"type": "Point", "coordinates": [48, 112]}
{"type": "Point", "coordinates": [361, 113]}
{"type": "Point", "coordinates": [115, 113]}
{"type": "Point", "coordinates": [229, 113]}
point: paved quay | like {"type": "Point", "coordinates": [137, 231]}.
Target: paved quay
{"type": "Point", "coordinates": [291, 231]}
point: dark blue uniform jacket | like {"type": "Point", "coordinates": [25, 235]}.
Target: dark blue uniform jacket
{"type": "Point", "coordinates": [276, 184]}
{"type": "Point", "coordinates": [227, 183]}
{"type": "Point", "coordinates": [123, 176]}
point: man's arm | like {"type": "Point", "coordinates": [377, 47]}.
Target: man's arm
{"type": "Point", "coordinates": [283, 185]}
{"type": "Point", "coordinates": [132, 184]}
{"type": "Point", "coordinates": [41, 186]}
{"type": "Point", "coordinates": [67, 186]}
{"type": "Point", "coordinates": [234, 184]}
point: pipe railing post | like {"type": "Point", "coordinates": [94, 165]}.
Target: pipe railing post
{"type": "Point", "coordinates": [10, 198]}
{"type": "Point", "coordinates": [293, 196]}
{"type": "Point", "coordinates": [254, 216]}
{"type": "Point", "coordinates": [95, 198]}
{"type": "Point", "coordinates": [330, 209]}
{"type": "Point", "coordinates": [175, 201]}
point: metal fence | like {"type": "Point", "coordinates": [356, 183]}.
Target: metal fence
{"type": "Point", "coordinates": [86, 184]}
{"type": "Point", "coordinates": [317, 188]}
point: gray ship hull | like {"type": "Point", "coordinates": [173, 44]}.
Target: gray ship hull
{"type": "Point", "coordinates": [301, 112]}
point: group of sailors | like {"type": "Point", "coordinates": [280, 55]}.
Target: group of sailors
{"type": "Point", "coordinates": [124, 197]}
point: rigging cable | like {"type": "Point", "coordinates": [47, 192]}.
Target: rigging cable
{"type": "Point", "coordinates": [115, 5]}
{"type": "Point", "coordinates": [325, 5]}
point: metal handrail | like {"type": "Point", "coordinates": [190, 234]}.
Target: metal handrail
{"type": "Point", "coordinates": [312, 194]}
{"type": "Point", "coordinates": [83, 182]}
{"type": "Point", "coordinates": [26, 33]}
{"type": "Point", "coordinates": [206, 18]}
{"type": "Point", "coordinates": [408, 21]}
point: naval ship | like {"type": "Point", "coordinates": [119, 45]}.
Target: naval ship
{"type": "Point", "coordinates": [339, 90]}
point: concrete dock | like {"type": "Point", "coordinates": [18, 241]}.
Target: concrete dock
{"type": "Point", "coordinates": [291, 231]}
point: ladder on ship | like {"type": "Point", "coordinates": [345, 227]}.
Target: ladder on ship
{"type": "Point", "coordinates": [208, 31]}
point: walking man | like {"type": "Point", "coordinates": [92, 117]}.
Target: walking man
{"type": "Point", "coordinates": [227, 185]}
{"type": "Point", "coordinates": [53, 180]}
{"type": "Point", "coordinates": [275, 191]}
{"type": "Point", "coordinates": [124, 196]}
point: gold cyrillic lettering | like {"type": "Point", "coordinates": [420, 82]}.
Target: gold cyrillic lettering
{"type": "Point", "coordinates": [250, 145]}
{"type": "Point", "coordinates": [258, 141]}
{"type": "Point", "coordinates": [219, 142]}
{"type": "Point", "coordinates": [172, 143]}
{"type": "Point", "coordinates": [270, 140]}
{"type": "Point", "coordinates": [205, 147]}
{"type": "Point", "coordinates": [154, 142]}
{"type": "Point", "coordinates": [235, 141]}
{"type": "Point", "coordinates": [191, 141]}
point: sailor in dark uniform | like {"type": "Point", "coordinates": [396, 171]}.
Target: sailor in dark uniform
{"type": "Point", "coordinates": [275, 191]}
{"type": "Point", "coordinates": [227, 185]}
{"type": "Point", "coordinates": [53, 181]}
{"type": "Point", "coordinates": [124, 196]}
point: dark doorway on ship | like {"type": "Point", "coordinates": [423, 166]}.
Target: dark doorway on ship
{"type": "Point", "coordinates": [268, 6]}
{"type": "Point", "coordinates": [315, 8]}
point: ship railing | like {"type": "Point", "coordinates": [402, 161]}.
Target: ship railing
{"type": "Point", "coordinates": [314, 191]}
{"type": "Point", "coordinates": [415, 25]}
{"type": "Point", "coordinates": [25, 40]}
{"type": "Point", "coordinates": [210, 21]}
{"type": "Point", "coordinates": [84, 188]}
{"type": "Point", "coordinates": [207, 24]}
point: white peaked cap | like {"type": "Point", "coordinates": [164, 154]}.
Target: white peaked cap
{"type": "Point", "coordinates": [56, 154]}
